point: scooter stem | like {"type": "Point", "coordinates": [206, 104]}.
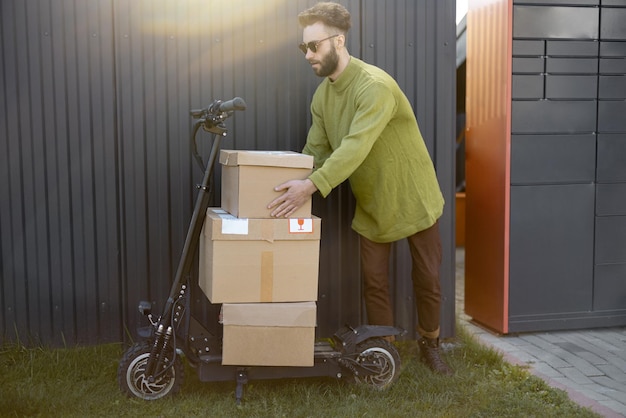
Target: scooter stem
{"type": "Point", "coordinates": [194, 231]}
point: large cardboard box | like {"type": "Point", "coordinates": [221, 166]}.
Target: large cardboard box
{"type": "Point", "coordinates": [259, 260]}
{"type": "Point", "coordinates": [269, 334]}
{"type": "Point", "coordinates": [249, 178]}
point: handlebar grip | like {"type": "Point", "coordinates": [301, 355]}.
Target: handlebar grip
{"type": "Point", "coordinates": [235, 104]}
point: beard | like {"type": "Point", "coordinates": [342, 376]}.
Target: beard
{"type": "Point", "coordinates": [328, 64]}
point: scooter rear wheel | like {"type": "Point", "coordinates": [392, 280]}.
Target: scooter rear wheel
{"type": "Point", "coordinates": [133, 381]}
{"type": "Point", "coordinates": [382, 358]}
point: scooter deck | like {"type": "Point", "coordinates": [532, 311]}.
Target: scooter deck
{"type": "Point", "coordinates": [211, 369]}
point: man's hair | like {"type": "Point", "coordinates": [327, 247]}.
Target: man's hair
{"type": "Point", "coordinates": [329, 13]}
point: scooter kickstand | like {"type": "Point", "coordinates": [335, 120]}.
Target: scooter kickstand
{"type": "Point", "coordinates": [242, 379]}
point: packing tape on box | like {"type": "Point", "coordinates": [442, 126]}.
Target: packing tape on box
{"type": "Point", "coordinates": [267, 276]}
{"type": "Point", "coordinates": [267, 231]}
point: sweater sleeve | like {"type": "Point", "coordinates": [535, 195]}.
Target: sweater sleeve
{"type": "Point", "coordinates": [373, 108]}
{"type": "Point", "coordinates": [317, 144]}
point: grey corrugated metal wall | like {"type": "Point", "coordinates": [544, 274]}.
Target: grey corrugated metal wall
{"type": "Point", "coordinates": [96, 176]}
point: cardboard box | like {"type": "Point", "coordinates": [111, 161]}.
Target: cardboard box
{"type": "Point", "coordinates": [269, 334]}
{"type": "Point", "coordinates": [259, 260]}
{"type": "Point", "coordinates": [249, 178]}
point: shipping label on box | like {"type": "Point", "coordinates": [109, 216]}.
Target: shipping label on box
{"type": "Point", "coordinates": [259, 260]}
{"type": "Point", "coordinates": [249, 178]}
{"type": "Point", "coordinates": [269, 334]}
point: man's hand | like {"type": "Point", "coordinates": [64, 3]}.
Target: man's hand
{"type": "Point", "coordinates": [297, 193]}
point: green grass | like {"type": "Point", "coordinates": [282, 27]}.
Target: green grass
{"type": "Point", "coordinates": [81, 382]}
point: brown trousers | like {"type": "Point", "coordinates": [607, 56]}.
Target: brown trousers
{"type": "Point", "coordinates": [425, 249]}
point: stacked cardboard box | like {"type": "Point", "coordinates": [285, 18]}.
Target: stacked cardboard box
{"type": "Point", "coordinates": [269, 334]}
{"type": "Point", "coordinates": [263, 270]}
{"type": "Point", "coordinates": [258, 260]}
{"type": "Point", "coordinates": [249, 178]}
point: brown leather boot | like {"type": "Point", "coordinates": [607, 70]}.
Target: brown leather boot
{"type": "Point", "coordinates": [429, 354]}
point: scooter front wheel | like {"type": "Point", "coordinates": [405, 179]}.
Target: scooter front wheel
{"type": "Point", "coordinates": [134, 382]}
{"type": "Point", "coordinates": [382, 360]}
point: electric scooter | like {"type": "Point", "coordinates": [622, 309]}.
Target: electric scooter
{"type": "Point", "coordinates": [152, 368]}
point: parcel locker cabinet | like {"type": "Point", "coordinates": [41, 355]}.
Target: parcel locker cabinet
{"type": "Point", "coordinates": [551, 254]}
{"type": "Point", "coordinates": [546, 179]}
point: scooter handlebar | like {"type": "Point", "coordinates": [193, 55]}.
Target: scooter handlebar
{"type": "Point", "coordinates": [219, 107]}
{"type": "Point", "coordinates": [234, 104]}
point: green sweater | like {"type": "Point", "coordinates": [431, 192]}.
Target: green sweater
{"type": "Point", "coordinates": [364, 130]}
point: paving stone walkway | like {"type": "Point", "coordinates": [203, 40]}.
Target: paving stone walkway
{"type": "Point", "coordinates": [590, 365]}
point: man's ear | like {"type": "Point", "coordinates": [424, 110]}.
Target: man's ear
{"type": "Point", "coordinates": [341, 41]}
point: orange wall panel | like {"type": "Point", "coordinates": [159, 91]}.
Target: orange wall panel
{"type": "Point", "coordinates": [489, 41]}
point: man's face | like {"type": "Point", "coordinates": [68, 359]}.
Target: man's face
{"type": "Point", "coordinates": [323, 62]}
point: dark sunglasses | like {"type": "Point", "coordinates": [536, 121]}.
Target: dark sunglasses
{"type": "Point", "coordinates": [313, 45]}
